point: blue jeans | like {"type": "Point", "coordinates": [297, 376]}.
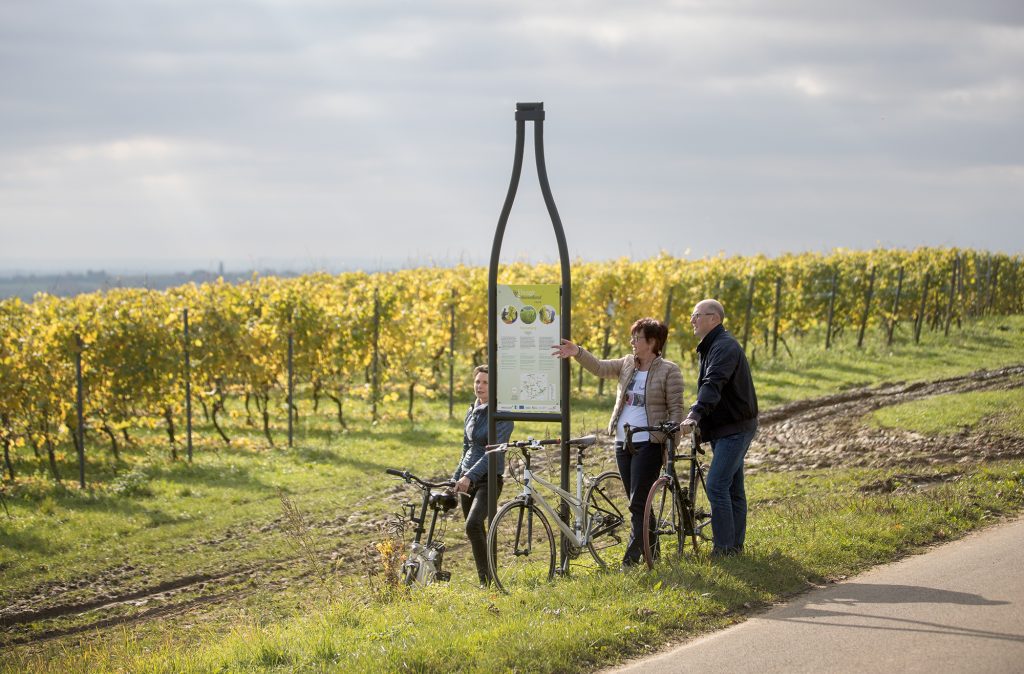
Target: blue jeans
{"type": "Point", "coordinates": [725, 490]}
{"type": "Point", "coordinates": [638, 472]}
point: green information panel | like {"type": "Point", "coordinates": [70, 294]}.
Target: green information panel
{"type": "Point", "coordinates": [529, 321]}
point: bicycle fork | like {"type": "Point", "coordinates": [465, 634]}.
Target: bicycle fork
{"type": "Point", "coordinates": [527, 512]}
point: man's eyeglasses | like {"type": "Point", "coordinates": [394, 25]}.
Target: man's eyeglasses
{"type": "Point", "coordinates": [697, 313]}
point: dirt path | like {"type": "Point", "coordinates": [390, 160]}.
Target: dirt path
{"type": "Point", "coordinates": [829, 431]}
{"type": "Point", "coordinates": [808, 434]}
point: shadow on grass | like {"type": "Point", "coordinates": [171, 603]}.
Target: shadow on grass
{"type": "Point", "coordinates": [26, 541]}
{"type": "Point", "coordinates": [400, 431]}
{"type": "Point", "coordinates": [231, 477]}
{"type": "Point", "coordinates": [331, 457]}
{"type": "Point", "coordinates": [774, 573]}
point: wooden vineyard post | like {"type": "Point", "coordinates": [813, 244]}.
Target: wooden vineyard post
{"type": "Point", "coordinates": [668, 306]}
{"type": "Point", "coordinates": [895, 307]}
{"type": "Point", "coordinates": [188, 386]}
{"type": "Point", "coordinates": [831, 309]}
{"type": "Point", "coordinates": [993, 285]}
{"type": "Point", "coordinates": [291, 383]}
{"type": "Point", "coordinates": [609, 313]}
{"type": "Point", "coordinates": [778, 303]}
{"type": "Point", "coordinates": [867, 309]}
{"type": "Point", "coordinates": [952, 294]}
{"type": "Point", "coordinates": [375, 384]}
{"type": "Point", "coordinates": [79, 408]}
{"type": "Point", "coordinates": [750, 308]}
{"type": "Point", "coordinates": [919, 319]}
{"type": "Point", "coordinates": [451, 357]}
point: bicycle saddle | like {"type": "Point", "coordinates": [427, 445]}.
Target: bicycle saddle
{"type": "Point", "coordinates": [443, 500]}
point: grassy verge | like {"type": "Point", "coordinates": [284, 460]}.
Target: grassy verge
{"type": "Point", "coordinates": [797, 537]}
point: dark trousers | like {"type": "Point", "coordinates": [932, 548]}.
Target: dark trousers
{"type": "Point", "coordinates": [474, 508]}
{"type": "Point", "coordinates": [638, 472]}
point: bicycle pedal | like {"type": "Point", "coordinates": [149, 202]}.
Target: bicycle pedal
{"type": "Point", "coordinates": [443, 576]}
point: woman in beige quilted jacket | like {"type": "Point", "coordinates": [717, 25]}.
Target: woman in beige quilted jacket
{"type": "Point", "coordinates": [650, 391]}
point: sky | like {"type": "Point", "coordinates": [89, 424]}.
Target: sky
{"type": "Point", "coordinates": [143, 135]}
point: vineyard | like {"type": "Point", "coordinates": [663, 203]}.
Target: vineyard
{"type": "Point", "coordinates": [110, 363]}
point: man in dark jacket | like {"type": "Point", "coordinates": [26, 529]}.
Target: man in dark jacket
{"type": "Point", "coordinates": [726, 413]}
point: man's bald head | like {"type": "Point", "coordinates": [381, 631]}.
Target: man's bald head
{"type": "Point", "coordinates": [711, 307]}
{"type": "Point", "coordinates": [707, 315]}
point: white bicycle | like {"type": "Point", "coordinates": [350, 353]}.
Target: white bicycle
{"type": "Point", "coordinates": [521, 543]}
{"type": "Point", "coordinates": [423, 563]}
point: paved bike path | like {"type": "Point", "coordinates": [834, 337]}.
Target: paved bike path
{"type": "Point", "coordinates": [958, 608]}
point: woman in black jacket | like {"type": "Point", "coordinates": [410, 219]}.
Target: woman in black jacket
{"type": "Point", "coordinates": [470, 475]}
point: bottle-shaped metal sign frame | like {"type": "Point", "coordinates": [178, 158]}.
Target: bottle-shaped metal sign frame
{"type": "Point", "coordinates": [527, 112]}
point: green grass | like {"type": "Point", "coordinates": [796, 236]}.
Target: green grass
{"type": "Point", "coordinates": [998, 411]}
{"type": "Point", "coordinates": [148, 519]}
{"type": "Point", "coordinates": [812, 371]}
{"type": "Point", "coordinates": [797, 537]}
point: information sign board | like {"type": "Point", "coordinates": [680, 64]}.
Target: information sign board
{"type": "Point", "coordinates": [529, 320]}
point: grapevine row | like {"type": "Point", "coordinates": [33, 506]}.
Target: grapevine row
{"type": "Point", "coordinates": [130, 341]}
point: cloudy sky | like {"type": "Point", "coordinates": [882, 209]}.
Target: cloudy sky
{"type": "Point", "coordinates": [145, 134]}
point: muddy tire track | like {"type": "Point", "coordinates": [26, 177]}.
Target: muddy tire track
{"type": "Point", "coordinates": [829, 432]}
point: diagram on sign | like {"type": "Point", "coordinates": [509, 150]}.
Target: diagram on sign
{"type": "Point", "coordinates": [535, 387]}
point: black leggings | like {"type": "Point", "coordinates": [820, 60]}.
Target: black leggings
{"type": "Point", "coordinates": [474, 508]}
{"type": "Point", "coordinates": [638, 471]}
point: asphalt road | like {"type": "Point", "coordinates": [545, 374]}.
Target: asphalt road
{"type": "Point", "coordinates": [957, 608]}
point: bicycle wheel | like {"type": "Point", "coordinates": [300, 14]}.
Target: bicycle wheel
{"type": "Point", "coordinates": [663, 517]}
{"type": "Point", "coordinates": [699, 528]}
{"type": "Point", "coordinates": [520, 546]}
{"type": "Point", "coordinates": [608, 513]}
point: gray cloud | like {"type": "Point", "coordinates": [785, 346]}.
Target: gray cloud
{"type": "Point", "coordinates": [312, 131]}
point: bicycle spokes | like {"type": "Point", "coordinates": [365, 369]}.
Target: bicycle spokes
{"type": "Point", "coordinates": [701, 526]}
{"type": "Point", "coordinates": [608, 509]}
{"type": "Point", "coordinates": [521, 546]}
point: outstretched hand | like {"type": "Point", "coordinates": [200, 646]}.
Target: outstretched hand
{"type": "Point", "coordinates": [565, 349]}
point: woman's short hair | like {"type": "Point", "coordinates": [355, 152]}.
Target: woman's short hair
{"type": "Point", "coordinates": [654, 329]}
{"type": "Point", "coordinates": [478, 369]}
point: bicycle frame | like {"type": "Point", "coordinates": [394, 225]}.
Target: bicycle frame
{"type": "Point", "coordinates": [423, 564]}
{"type": "Point", "coordinates": [578, 535]}
{"type": "Point", "coordinates": [575, 503]}
{"type": "Point", "coordinates": [669, 470]}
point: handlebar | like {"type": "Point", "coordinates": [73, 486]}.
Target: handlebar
{"type": "Point", "coordinates": [528, 442]}
{"type": "Point", "coordinates": [409, 477]}
{"type": "Point", "coordinates": [668, 427]}
{"type": "Point", "coordinates": [582, 442]}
